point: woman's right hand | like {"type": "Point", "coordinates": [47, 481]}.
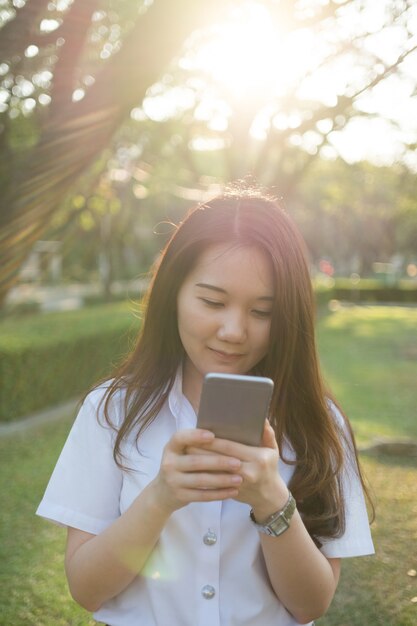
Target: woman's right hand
{"type": "Point", "coordinates": [185, 477]}
{"type": "Point", "coordinates": [101, 566]}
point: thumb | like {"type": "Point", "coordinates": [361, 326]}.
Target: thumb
{"type": "Point", "coordinates": [268, 437]}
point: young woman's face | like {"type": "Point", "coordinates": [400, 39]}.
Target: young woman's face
{"type": "Point", "coordinates": [224, 312]}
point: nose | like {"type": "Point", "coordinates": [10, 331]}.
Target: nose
{"type": "Point", "coordinates": [233, 327]}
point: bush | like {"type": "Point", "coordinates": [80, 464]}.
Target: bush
{"type": "Point", "coordinates": [28, 307]}
{"type": "Point", "coordinates": [366, 290]}
{"type": "Point", "coordinates": [47, 359]}
{"type": "Point", "coordinates": [323, 294]}
{"type": "Point", "coordinates": [379, 294]}
{"type": "Point", "coordinates": [94, 299]}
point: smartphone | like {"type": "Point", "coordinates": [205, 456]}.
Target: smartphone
{"type": "Point", "coordinates": [235, 407]}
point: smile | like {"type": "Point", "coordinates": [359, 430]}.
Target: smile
{"type": "Point", "coordinates": [226, 356]}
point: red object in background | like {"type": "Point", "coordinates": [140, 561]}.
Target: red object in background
{"type": "Point", "coordinates": [326, 267]}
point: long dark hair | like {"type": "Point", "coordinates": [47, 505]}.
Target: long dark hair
{"type": "Point", "coordinates": [300, 412]}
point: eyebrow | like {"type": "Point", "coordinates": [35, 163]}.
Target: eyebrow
{"type": "Point", "coordinates": [220, 290]}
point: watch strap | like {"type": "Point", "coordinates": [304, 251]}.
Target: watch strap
{"type": "Point", "coordinates": [278, 522]}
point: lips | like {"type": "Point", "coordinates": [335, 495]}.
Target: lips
{"type": "Point", "coordinates": [228, 356]}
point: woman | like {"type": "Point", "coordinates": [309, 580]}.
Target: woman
{"type": "Point", "coordinates": [168, 525]}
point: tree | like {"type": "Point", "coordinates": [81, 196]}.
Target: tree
{"type": "Point", "coordinates": [69, 134]}
{"type": "Point", "coordinates": [357, 214]}
{"type": "Point", "coordinates": [45, 152]}
{"type": "Point", "coordinates": [309, 111]}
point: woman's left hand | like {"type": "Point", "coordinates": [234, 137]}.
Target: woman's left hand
{"type": "Point", "coordinates": [262, 486]}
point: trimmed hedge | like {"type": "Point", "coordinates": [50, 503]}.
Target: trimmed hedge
{"type": "Point", "coordinates": [382, 294]}
{"type": "Point", "coordinates": [47, 359]}
{"type": "Point", "coordinates": [366, 290]}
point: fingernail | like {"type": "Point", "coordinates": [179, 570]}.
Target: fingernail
{"type": "Point", "coordinates": [236, 479]}
{"type": "Point", "coordinates": [207, 435]}
{"type": "Point", "coordinates": [235, 463]}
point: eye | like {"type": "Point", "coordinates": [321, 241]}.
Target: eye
{"type": "Point", "coordinates": [212, 303]}
{"type": "Point", "coordinates": [263, 314]}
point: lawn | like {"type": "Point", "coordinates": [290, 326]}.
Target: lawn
{"type": "Point", "coordinates": [32, 583]}
{"type": "Point", "coordinates": [369, 356]}
{"type": "Point", "coordinates": [377, 590]}
{"type": "Point", "coordinates": [357, 346]}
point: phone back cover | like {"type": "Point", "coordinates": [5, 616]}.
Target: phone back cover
{"type": "Point", "coordinates": [235, 409]}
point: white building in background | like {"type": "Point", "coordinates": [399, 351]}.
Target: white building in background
{"type": "Point", "coordinates": [45, 261]}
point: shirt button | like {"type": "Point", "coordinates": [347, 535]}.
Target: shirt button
{"type": "Point", "coordinates": [210, 538]}
{"type": "Point", "coordinates": [208, 592]}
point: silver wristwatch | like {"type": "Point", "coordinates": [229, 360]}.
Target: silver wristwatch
{"type": "Point", "coordinates": [278, 522]}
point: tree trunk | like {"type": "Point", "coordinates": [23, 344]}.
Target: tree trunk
{"type": "Point", "coordinates": [77, 134]}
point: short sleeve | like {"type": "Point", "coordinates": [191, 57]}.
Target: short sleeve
{"type": "Point", "coordinates": [356, 539]}
{"type": "Point", "coordinates": [84, 489]}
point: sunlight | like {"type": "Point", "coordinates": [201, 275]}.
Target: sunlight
{"type": "Point", "coordinates": [260, 65]}
{"type": "Point", "coordinates": [261, 68]}
{"type": "Point", "coordinates": [252, 57]}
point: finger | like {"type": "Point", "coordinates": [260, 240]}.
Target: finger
{"type": "Point", "coordinates": [189, 437]}
{"type": "Point", "coordinates": [268, 437]}
{"type": "Point", "coordinates": [232, 449]}
{"type": "Point", "coordinates": [208, 495]}
{"type": "Point", "coordinates": [195, 450]}
{"type": "Point", "coordinates": [210, 480]}
{"type": "Point", "coordinates": [207, 461]}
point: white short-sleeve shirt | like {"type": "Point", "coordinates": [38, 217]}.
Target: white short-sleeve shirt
{"type": "Point", "coordinates": [207, 568]}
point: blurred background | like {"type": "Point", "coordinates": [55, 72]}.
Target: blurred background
{"type": "Point", "coordinates": [116, 117]}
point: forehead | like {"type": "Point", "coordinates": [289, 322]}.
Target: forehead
{"type": "Point", "coordinates": [229, 265]}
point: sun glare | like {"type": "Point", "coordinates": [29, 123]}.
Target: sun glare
{"type": "Point", "coordinates": [251, 56]}
{"type": "Point", "coordinates": [256, 65]}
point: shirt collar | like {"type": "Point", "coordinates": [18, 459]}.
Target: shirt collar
{"type": "Point", "coordinates": [179, 406]}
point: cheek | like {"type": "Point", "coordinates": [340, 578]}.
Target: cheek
{"type": "Point", "coordinates": [191, 323]}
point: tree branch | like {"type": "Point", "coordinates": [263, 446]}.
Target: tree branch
{"type": "Point", "coordinates": [17, 34]}
{"type": "Point", "coordinates": [79, 132]}
{"type": "Point", "coordinates": [74, 30]}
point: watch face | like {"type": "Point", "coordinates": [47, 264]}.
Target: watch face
{"type": "Point", "coordinates": [278, 525]}
{"type": "Point", "coordinates": [278, 522]}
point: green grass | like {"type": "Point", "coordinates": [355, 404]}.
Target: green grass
{"type": "Point", "coordinates": [32, 583]}
{"type": "Point", "coordinates": [369, 357]}
{"type": "Point", "coordinates": [373, 590]}
{"type": "Point", "coordinates": [376, 590]}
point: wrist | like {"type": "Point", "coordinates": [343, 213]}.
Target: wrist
{"type": "Point", "coordinates": [279, 521]}
{"type": "Point", "coordinates": [157, 500]}
{"type": "Point", "coordinates": [275, 500]}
